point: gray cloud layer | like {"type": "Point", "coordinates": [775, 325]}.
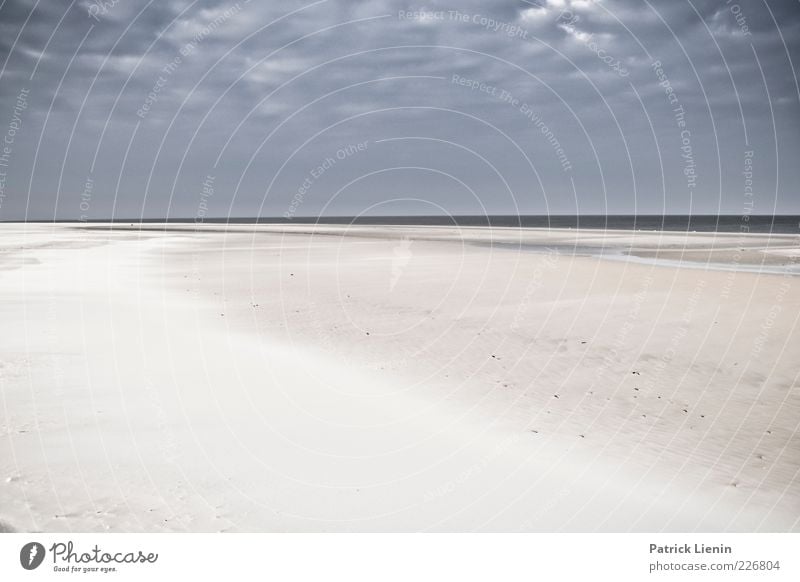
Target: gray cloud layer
{"type": "Point", "coordinates": [180, 109]}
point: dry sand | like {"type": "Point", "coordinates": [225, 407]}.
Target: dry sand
{"type": "Point", "coordinates": [395, 378]}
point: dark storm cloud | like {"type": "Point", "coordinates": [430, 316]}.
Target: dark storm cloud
{"type": "Point", "coordinates": [144, 101]}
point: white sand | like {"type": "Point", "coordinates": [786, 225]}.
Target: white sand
{"type": "Point", "coordinates": [396, 379]}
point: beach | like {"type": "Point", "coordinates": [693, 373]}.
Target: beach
{"type": "Point", "coordinates": [208, 378]}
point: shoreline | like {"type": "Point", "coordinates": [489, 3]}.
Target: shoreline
{"type": "Point", "coordinates": [782, 258]}
{"type": "Point", "coordinates": [788, 224]}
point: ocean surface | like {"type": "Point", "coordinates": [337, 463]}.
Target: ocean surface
{"type": "Point", "coordinates": [780, 224]}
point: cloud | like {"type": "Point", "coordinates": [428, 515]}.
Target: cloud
{"type": "Point", "coordinates": [224, 83]}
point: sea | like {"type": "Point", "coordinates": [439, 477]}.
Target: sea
{"type": "Point", "coordinates": [756, 223]}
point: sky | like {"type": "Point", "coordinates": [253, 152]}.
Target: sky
{"type": "Point", "coordinates": [178, 109]}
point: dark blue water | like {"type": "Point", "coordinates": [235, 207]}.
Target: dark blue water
{"type": "Point", "coordinates": [785, 224]}
{"type": "Point", "coordinates": [781, 224]}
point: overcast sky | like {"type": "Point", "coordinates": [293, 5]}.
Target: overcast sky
{"type": "Point", "coordinates": [126, 108]}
